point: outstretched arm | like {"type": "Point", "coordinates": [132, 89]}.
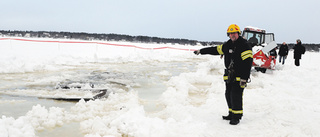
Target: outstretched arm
{"type": "Point", "coordinates": [210, 50]}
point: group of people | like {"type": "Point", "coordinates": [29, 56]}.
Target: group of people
{"type": "Point", "coordinates": [238, 58]}
{"type": "Point", "coordinates": [297, 53]}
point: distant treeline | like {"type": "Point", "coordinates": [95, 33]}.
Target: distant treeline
{"type": "Point", "coordinates": [121, 37]}
{"type": "Point", "coordinates": [103, 37]}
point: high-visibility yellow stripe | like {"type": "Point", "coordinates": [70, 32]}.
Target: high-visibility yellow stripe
{"type": "Point", "coordinates": [237, 78]}
{"type": "Point", "coordinates": [247, 56]}
{"type": "Point", "coordinates": [237, 111]}
{"type": "Point", "coordinates": [219, 49]}
{"type": "Point", "coordinates": [242, 86]}
{"type": "Point", "coordinates": [246, 52]}
{"type": "Point", "coordinates": [225, 77]}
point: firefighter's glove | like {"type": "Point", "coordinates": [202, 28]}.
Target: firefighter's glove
{"type": "Point", "coordinates": [197, 52]}
{"type": "Point", "coordinates": [243, 83]}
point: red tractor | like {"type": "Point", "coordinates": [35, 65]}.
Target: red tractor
{"type": "Point", "coordinates": [263, 48]}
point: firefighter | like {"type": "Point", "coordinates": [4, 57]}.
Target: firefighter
{"type": "Point", "coordinates": [238, 61]}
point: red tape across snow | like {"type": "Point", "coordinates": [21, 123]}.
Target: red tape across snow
{"type": "Point", "coordinates": [88, 42]}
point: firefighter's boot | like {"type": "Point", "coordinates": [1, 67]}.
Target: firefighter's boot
{"type": "Point", "coordinates": [234, 121]}
{"type": "Point", "coordinates": [229, 117]}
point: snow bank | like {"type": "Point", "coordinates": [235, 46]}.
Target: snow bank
{"type": "Point", "coordinates": [20, 127]}
{"type": "Point", "coordinates": [30, 55]}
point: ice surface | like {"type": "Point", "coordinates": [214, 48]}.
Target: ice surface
{"type": "Point", "coordinates": [280, 102]}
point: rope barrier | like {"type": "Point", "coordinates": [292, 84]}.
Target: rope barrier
{"type": "Point", "coordinates": [100, 43]}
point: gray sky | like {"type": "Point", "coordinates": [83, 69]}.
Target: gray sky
{"type": "Point", "coordinates": [203, 20]}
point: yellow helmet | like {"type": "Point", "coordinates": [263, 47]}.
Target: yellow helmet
{"type": "Point", "coordinates": [233, 28]}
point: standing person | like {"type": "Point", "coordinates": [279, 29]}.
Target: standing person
{"type": "Point", "coordinates": [238, 61]}
{"type": "Point", "coordinates": [298, 51]}
{"type": "Point", "coordinates": [283, 52]}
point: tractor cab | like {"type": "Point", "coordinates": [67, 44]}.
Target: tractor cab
{"type": "Point", "coordinates": [262, 44]}
{"type": "Point", "coordinates": [256, 36]}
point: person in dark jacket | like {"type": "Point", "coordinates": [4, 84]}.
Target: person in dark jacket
{"type": "Point", "coordinates": [238, 62]}
{"type": "Point", "coordinates": [283, 52]}
{"type": "Point", "coordinates": [253, 40]}
{"type": "Point", "coordinates": [298, 51]}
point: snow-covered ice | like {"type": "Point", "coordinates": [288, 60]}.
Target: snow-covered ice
{"type": "Point", "coordinates": [157, 92]}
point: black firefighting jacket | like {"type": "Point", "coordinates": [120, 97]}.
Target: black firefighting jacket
{"type": "Point", "coordinates": [241, 54]}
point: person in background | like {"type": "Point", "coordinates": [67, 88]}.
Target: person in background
{"type": "Point", "coordinates": [283, 52]}
{"type": "Point", "coordinates": [237, 61]}
{"type": "Point", "coordinates": [298, 51]}
{"type": "Point", "coordinates": [253, 39]}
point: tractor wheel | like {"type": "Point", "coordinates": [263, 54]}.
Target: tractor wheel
{"type": "Point", "coordinates": [263, 70]}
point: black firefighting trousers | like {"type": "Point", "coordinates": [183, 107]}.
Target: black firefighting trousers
{"type": "Point", "coordinates": [234, 95]}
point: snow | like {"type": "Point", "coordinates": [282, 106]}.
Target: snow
{"type": "Point", "coordinates": [280, 102]}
